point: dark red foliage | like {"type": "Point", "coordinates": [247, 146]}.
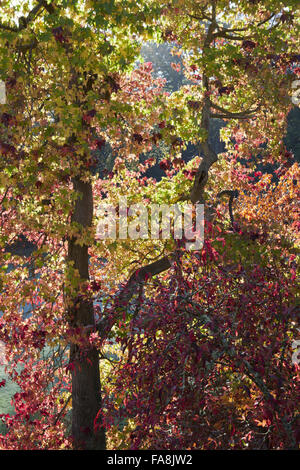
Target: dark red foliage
{"type": "Point", "coordinates": [194, 104]}
{"type": "Point", "coordinates": [100, 143]}
{"type": "Point", "coordinates": [162, 124]}
{"type": "Point", "coordinates": [248, 45]}
{"type": "Point", "coordinates": [59, 34]}
{"type": "Point", "coordinates": [165, 164]}
{"type": "Point", "coordinates": [225, 90]}
{"type": "Point", "coordinates": [6, 119]}
{"type": "Point", "coordinates": [7, 149]}
{"type": "Point", "coordinates": [137, 138]}
{"type": "Point", "coordinates": [216, 370]}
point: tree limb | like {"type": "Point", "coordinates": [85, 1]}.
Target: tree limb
{"type": "Point", "coordinates": [24, 22]}
{"type": "Point", "coordinates": [126, 293]}
{"type": "Point", "coordinates": [225, 32]}
{"type": "Point", "coordinates": [241, 113]}
{"type": "Point", "coordinates": [232, 195]}
{"type": "Point", "coordinates": [229, 116]}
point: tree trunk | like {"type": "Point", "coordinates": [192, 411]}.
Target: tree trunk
{"type": "Point", "coordinates": [86, 387]}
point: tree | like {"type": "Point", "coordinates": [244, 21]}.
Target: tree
{"type": "Point", "coordinates": [230, 63]}
{"type": "Point", "coordinates": [63, 67]}
{"type": "Point", "coordinates": [71, 86]}
{"type": "Point", "coordinates": [210, 343]}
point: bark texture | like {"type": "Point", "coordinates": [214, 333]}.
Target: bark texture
{"type": "Point", "coordinates": [86, 387]}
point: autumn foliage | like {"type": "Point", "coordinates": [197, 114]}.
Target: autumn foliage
{"type": "Point", "coordinates": [196, 349]}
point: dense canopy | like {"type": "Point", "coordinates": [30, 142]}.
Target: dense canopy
{"type": "Point", "coordinates": [136, 342]}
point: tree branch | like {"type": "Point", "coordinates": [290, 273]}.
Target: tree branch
{"type": "Point", "coordinates": [24, 22]}
{"type": "Point", "coordinates": [225, 32]}
{"type": "Point", "coordinates": [232, 195]}
{"type": "Point", "coordinates": [229, 116]}
{"type": "Point", "coordinates": [233, 115]}
{"type": "Point", "coordinates": [126, 293]}
{"type": "Point", "coordinates": [141, 275]}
